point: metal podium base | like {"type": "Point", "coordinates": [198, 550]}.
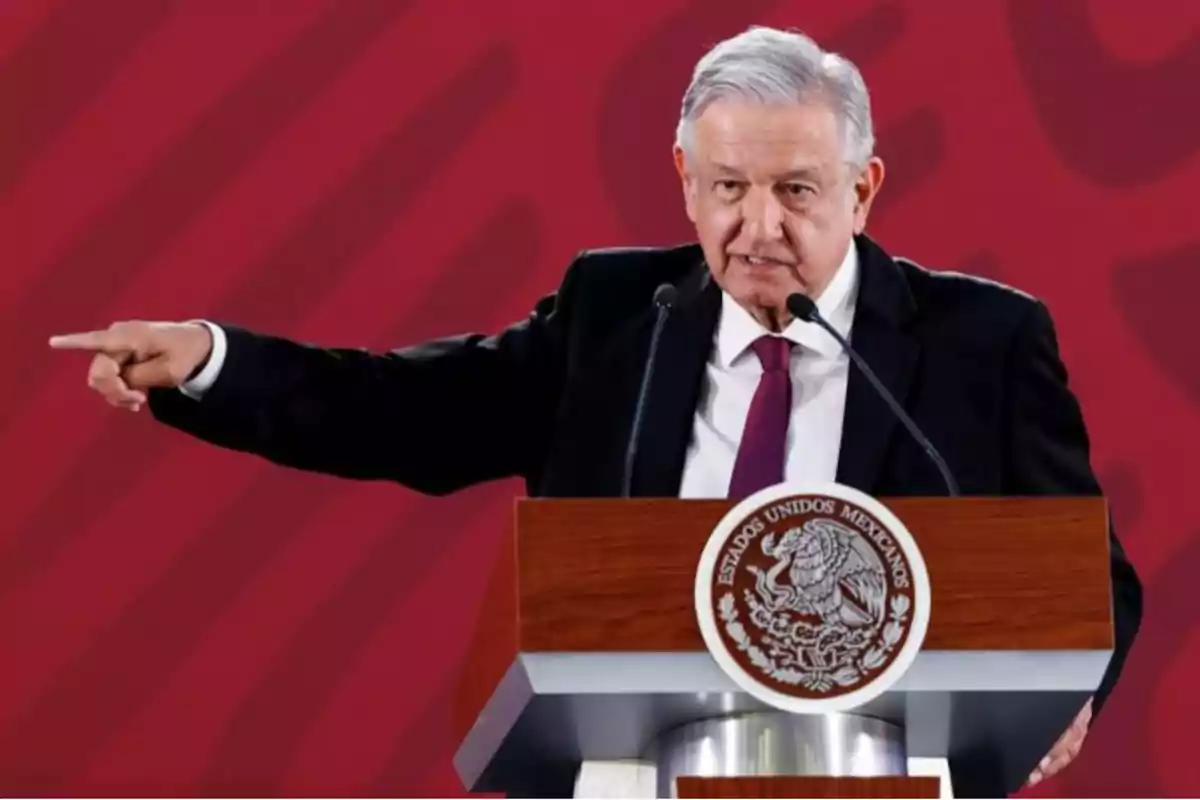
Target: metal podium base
{"type": "Point", "coordinates": [778, 743]}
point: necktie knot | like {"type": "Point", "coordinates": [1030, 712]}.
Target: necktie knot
{"type": "Point", "coordinates": [773, 352]}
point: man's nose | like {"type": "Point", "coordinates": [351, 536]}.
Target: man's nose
{"type": "Point", "coordinates": [762, 215]}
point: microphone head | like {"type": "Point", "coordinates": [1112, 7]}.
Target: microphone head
{"type": "Point", "coordinates": [802, 307]}
{"type": "Point", "coordinates": [664, 296]}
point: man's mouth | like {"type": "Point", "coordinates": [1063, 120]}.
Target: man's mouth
{"type": "Point", "coordinates": [760, 261]}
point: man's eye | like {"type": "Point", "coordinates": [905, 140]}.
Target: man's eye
{"type": "Point", "coordinates": [728, 186]}
{"type": "Point", "coordinates": [798, 189]}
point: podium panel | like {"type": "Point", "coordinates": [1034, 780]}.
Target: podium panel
{"type": "Point", "coordinates": [591, 648]}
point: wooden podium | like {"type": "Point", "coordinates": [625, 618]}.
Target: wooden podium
{"type": "Point", "coordinates": [588, 646]}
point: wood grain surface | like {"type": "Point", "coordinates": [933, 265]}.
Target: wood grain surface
{"type": "Point", "coordinates": [1006, 573]}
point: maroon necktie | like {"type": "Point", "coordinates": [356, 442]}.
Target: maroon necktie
{"type": "Point", "coordinates": [760, 455]}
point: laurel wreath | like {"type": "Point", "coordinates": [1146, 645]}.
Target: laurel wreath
{"type": "Point", "coordinates": [820, 681]}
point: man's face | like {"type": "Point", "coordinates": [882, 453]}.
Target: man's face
{"type": "Point", "coordinates": [773, 199]}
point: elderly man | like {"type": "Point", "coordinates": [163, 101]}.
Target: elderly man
{"type": "Point", "coordinates": [775, 154]}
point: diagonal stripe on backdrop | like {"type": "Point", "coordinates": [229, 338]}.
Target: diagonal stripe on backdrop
{"type": "Point", "coordinates": [162, 90]}
{"type": "Point", "coordinates": [269, 731]}
{"type": "Point", "coordinates": [230, 657]}
{"type": "Point", "coordinates": [91, 272]}
{"type": "Point", "coordinates": [873, 32]}
{"type": "Point", "coordinates": [426, 738]}
{"type": "Point", "coordinates": [418, 650]}
{"type": "Point", "coordinates": [22, 18]}
{"type": "Point", "coordinates": [916, 146]}
{"type": "Point", "coordinates": [1154, 315]}
{"type": "Point", "coordinates": [381, 182]}
{"type": "Point", "coordinates": [56, 71]}
{"type": "Point", "coordinates": [346, 223]}
{"type": "Point", "coordinates": [261, 206]}
{"type": "Point", "coordinates": [271, 720]}
{"type": "Point", "coordinates": [123, 667]}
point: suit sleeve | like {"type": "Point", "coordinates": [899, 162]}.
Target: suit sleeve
{"type": "Point", "coordinates": [435, 417]}
{"type": "Point", "coordinates": [1048, 453]}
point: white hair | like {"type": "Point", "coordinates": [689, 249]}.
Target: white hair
{"type": "Point", "coordinates": [769, 65]}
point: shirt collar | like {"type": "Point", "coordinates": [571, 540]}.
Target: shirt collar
{"type": "Point", "coordinates": [737, 329]}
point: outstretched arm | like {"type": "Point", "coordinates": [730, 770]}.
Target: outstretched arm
{"type": "Point", "coordinates": [435, 416]}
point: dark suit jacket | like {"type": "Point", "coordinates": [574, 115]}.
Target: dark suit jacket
{"type": "Point", "coordinates": [551, 398]}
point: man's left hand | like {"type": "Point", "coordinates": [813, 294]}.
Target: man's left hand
{"type": "Point", "coordinates": [1065, 749]}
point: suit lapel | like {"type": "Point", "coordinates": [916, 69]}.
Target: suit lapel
{"type": "Point", "coordinates": [879, 335]}
{"type": "Point", "coordinates": [683, 351]}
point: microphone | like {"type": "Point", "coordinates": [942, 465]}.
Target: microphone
{"type": "Point", "coordinates": [802, 307]}
{"type": "Point", "coordinates": [664, 301]}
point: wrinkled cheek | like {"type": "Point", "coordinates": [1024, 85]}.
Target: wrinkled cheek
{"type": "Point", "coordinates": [726, 227]}
{"type": "Point", "coordinates": [800, 230]}
{"type": "Point", "coordinates": [716, 227]}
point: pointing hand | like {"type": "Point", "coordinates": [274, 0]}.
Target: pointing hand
{"type": "Point", "coordinates": [131, 357]}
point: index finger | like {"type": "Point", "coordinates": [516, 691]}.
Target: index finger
{"type": "Point", "coordinates": [89, 340]}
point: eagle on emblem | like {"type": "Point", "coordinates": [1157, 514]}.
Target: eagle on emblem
{"type": "Point", "coordinates": [831, 573]}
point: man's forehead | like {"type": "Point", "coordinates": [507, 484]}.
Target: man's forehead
{"type": "Point", "coordinates": [783, 169]}
{"type": "Point", "coordinates": [776, 159]}
{"type": "Point", "coordinates": [741, 135]}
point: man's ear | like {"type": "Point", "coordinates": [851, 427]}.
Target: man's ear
{"type": "Point", "coordinates": [686, 180]}
{"type": "Point", "coordinates": [866, 188]}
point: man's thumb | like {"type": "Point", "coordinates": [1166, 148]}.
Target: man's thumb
{"type": "Point", "coordinates": [153, 373]}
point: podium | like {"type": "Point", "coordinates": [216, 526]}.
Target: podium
{"type": "Point", "coordinates": [588, 648]}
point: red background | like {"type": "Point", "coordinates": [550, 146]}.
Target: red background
{"type": "Point", "coordinates": [175, 619]}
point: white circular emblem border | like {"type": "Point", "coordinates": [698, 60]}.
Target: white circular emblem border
{"type": "Point", "coordinates": [922, 599]}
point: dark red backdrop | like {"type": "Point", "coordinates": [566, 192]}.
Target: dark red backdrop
{"type": "Point", "coordinates": [177, 619]}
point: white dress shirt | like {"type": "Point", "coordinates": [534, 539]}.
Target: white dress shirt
{"type": "Point", "coordinates": [819, 370]}
{"type": "Point", "coordinates": [197, 386]}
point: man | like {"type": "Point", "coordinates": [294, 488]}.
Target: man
{"type": "Point", "coordinates": [775, 154]}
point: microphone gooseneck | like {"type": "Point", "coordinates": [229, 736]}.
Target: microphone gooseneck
{"type": "Point", "coordinates": [803, 308]}
{"type": "Point", "coordinates": [664, 300]}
